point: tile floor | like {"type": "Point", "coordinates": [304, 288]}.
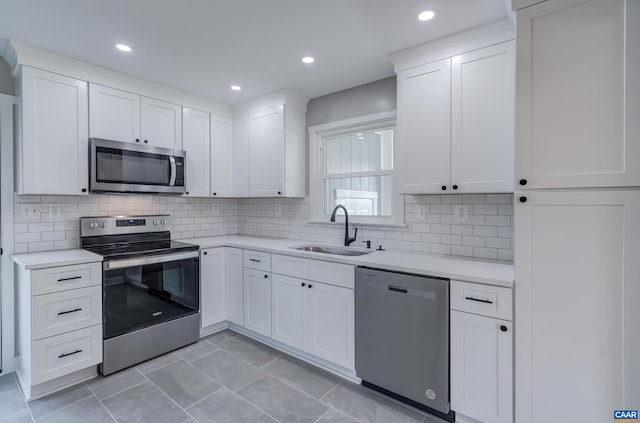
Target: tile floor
{"type": "Point", "coordinates": [224, 378]}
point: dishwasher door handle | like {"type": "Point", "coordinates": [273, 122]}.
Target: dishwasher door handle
{"type": "Point", "coordinates": [397, 289]}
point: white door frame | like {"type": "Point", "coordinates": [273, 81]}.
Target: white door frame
{"type": "Point", "coordinates": [7, 348]}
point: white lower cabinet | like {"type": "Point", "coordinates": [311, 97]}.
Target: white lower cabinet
{"type": "Point", "coordinates": [257, 301]}
{"type": "Point", "coordinates": [212, 286]}
{"type": "Point", "coordinates": [481, 367]}
{"type": "Point", "coordinates": [235, 286]}
{"type": "Point", "coordinates": [312, 316]}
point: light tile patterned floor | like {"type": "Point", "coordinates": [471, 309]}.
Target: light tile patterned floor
{"type": "Point", "coordinates": [224, 378]}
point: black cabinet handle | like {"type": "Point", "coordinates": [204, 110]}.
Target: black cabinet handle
{"type": "Point", "coordinates": [523, 182]}
{"type": "Point", "coordinates": [137, 139]}
{"type": "Point", "coordinates": [444, 187]}
{"type": "Point", "coordinates": [215, 193]}
{"type": "Point", "coordinates": [480, 300]}
{"type": "Point", "coordinates": [84, 190]}
{"type": "Point", "coordinates": [145, 141]}
{"type": "Point", "coordinates": [69, 311]}
{"type": "Point", "coordinates": [523, 199]}
{"type": "Point", "coordinates": [69, 279]}
{"type": "Point", "coordinates": [455, 187]}
{"type": "Point", "coordinates": [279, 193]}
{"type": "Point", "coordinates": [303, 284]}
{"type": "Point", "coordinates": [68, 354]}
{"type": "Point", "coordinates": [187, 193]}
{"type": "Point", "coordinates": [310, 285]}
{"type": "Point", "coordinates": [254, 260]}
{"type": "Point", "coordinates": [205, 253]}
{"type": "Point", "coordinates": [266, 276]}
{"type": "Point", "coordinates": [503, 328]}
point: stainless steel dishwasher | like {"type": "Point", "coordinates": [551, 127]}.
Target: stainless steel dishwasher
{"type": "Point", "coordinates": [402, 337]}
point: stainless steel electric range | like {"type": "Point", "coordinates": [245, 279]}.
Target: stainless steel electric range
{"type": "Point", "coordinates": [150, 287]}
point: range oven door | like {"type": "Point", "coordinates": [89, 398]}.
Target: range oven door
{"type": "Point", "coordinates": [145, 291]}
{"type": "Point", "coordinates": [125, 167]}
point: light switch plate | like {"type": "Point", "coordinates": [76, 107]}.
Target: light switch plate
{"type": "Point", "coordinates": [54, 211]}
{"type": "Point", "coordinates": [461, 213]}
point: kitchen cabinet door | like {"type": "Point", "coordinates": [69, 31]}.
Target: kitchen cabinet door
{"type": "Point", "coordinates": [212, 286]}
{"type": "Point", "coordinates": [235, 286]}
{"type": "Point", "coordinates": [481, 367]}
{"type": "Point", "coordinates": [289, 311]}
{"type": "Point", "coordinates": [482, 102]}
{"type": "Point", "coordinates": [331, 323]}
{"type": "Point", "coordinates": [423, 139]}
{"type": "Point", "coordinates": [113, 114]}
{"type": "Point", "coordinates": [160, 123]}
{"type": "Point", "coordinates": [195, 141]}
{"type": "Point", "coordinates": [240, 152]}
{"type": "Point", "coordinates": [221, 157]}
{"type": "Point", "coordinates": [578, 89]}
{"type": "Point", "coordinates": [257, 301]}
{"type": "Point", "coordinates": [52, 157]}
{"type": "Point", "coordinates": [266, 153]}
{"type": "Point", "coordinates": [576, 305]}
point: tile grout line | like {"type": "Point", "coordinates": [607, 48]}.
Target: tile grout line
{"type": "Point", "coordinates": [323, 414]}
{"type": "Point", "coordinates": [254, 405]}
{"type": "Point", "coordinates": [330, 391]}
{"type": "Point", "coordinates": [125, 389]}
{"type": "Point", "coordinates": [62, 408]}
{"type": "Point", "coordinates": [171, 399]}
{"type": "Point", "coordinates": [103, 406]}
{"type": "Point", "coordinates": [24, 400]}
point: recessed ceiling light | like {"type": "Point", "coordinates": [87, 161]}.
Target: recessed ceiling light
{"type": "Point", "coordinates": [236, 87]}
{"type": "Point", "coordinates": [427, 15]}
{"type": "Point", "coordinates": [308, 59]}
{"type": "Point", "coordinates": [124, 47]}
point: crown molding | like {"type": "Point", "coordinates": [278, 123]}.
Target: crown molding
{"type": "Point", "coordinates": [276, 98]}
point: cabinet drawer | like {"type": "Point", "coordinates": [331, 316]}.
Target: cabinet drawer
{"type": "Point", "coordinates": [56, 279]}
{"type": "Point", "coordinates": [291, 266]}
{"type": "Point", "coordinates": [65, 311]}
{"type": "Point", "coordinates": [332, 273]}
{"type": "Point", "coordinates": [485, 300]}
{"type": "Point", "coordinates": [63, 354]}
{"type": "Point", "coordinates": [257, 260]}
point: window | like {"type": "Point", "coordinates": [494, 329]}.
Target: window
{"type": "Point", "coordinates": [352, 165]}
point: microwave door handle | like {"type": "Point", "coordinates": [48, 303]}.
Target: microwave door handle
{"type": "Point", "coordinates": [172, 178]}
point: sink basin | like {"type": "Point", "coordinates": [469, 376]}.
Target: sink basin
{"type": "Point", "coordinates": [340, 251]}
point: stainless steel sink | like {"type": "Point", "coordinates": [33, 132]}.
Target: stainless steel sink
{"type": "Point", "coordinates": [340, 251]}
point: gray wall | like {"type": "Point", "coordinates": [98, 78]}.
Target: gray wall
{"type": "Point", "coordinates": [375, 97]}
{"type": "Point", "coordinates": [6, 81]}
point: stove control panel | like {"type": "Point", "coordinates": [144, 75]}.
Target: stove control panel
{"type": "Point", "coordinates": [115, 225]}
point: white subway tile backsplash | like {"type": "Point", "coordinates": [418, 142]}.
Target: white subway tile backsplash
{"type": "Point", "coordinates": [490, 253]}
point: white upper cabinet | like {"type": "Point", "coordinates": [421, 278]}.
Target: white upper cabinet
{"type": "Point", "coordinates": [240, 155]}
{"type": "Point", "coordinates": [221, 156]}
{"type": "Point", "coordinates": [578, 90]}
{"type": "Point", "coordinates": [115, 114]}
{"type": "Point", "coordinates": [455, 121]}
{"type": "Point", "coordinates": [482, 119]}
{"type": "Point", "coordinates": [424, 128]}
{"type": "Point", "coordinates": [161, 123]}
{"type": "Point", "coordinates": [54, 128]}
{"type": "Point", "coordinates": [266, 153]}
{"type": "Point", "coordinates": [195, 141]}
{"type": "Point", "coordinates": [122, 116]}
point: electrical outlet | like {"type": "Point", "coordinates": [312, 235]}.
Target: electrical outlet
{"type": "Point", "coordinates": [215, 209]}
{"type": "Point", "coordinates": [28, 211]}
{"type": "Point", "coordinates": [278, 209]}
{"type": "Point", "coordinates": [54, 211]}
{"type": "Point", "coordinates": [461, 213]}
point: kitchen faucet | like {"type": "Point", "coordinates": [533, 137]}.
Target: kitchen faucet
{"type": "Point", "coordinates": [347, 240]}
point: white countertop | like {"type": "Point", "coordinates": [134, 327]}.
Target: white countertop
{"type": "Point", "coordinates": [471, 270]}
{"type": "Point", "coordinates": [55, 258]}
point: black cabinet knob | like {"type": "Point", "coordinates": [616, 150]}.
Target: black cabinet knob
{"type": "Point", "coordinates": [444, 187]}
{"type": "Point", "coordinates": [523, 182]}
{"type": "Point", "coordinates": [84, 190]}
{"type": "Point", "coordinates": [523, 199]}
{"type": "Point", "coordinates": [137, 139]}
{"type": "Point", "coordinates": [215, 193]}
{"type": "Point", "coordinates": [279, 193]}
{"type": "Point", "coordinates": [503, 328]}
{"type": "Point", "coordinates": [186, 193]}
{"type": "Point", "coordinates": [310, 285]}
{"type": "Point", "coordinates": [455, 187]}
{"type": "Point", "coordinates": [303, 284]}
{"type": "Point", "coordinates": [205, 253]}
{"type": "Point", "coordinates": [145, 141]}
{"type": "Point", "coordinates": [266, 276]}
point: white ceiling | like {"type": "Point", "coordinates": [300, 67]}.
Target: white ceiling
{"type": "Point", "coordinates": [204, 46]}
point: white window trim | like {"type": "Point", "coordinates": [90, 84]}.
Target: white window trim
{"type": "Point", "coordinates": [317, 162]}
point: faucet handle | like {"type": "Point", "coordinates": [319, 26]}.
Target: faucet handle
{"type": "Point", "coordinates": [368, 242]}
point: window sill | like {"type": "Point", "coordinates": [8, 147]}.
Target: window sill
{"type": "Point", "coordinates": [356, 223]}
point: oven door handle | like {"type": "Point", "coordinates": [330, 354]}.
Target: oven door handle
{"type": "Point", "coordinates": [172, 178]}
{"type": "Point", "coordinates": [121, 264]}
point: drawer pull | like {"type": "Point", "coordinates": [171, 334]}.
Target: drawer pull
{"type": "Point", "coordinates": [69, 279]}
{"type": "Point", "coordinates": [254, 260]}
{"type": "Point", "coordinates": [396, 289]}
{"type": "Point", "coordinates": [68, 354]}
{"type": "Point", "coordinates": [480, 300]}
{"type": "Point", "coordinates": [69, 311]}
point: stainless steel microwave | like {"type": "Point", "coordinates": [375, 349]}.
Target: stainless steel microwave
{"type": "Point", "coordinates": [124, 167]}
